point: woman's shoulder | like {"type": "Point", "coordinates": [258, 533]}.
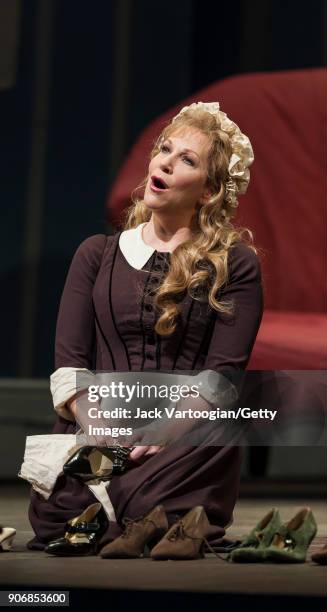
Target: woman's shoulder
{"type": "Point", "coordinates": [94, 243]}
{"type": "Point", "coordinates": [243, 260]}
{"type": "Point", "coordinates": [91, 250]}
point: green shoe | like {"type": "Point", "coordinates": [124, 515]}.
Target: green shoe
{"type": "Point", "coordinates": [291, 542]}
{"type": "Point", "coordinates": [253, 547]}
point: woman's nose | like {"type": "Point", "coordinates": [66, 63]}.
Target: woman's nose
{"type": "Point", "coordinates": [166, 165]}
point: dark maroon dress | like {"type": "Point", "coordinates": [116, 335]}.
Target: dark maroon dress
{"type": "Point", "coordinates": [106, 322]}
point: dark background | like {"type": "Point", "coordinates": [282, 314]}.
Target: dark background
{"type": "Point", "coordinates": [82, 79]}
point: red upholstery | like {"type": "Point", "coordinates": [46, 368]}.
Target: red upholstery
{"type": "Point", "coordinates": [291, 341]}
{"type": "Point", "coordinates": [285, 116]}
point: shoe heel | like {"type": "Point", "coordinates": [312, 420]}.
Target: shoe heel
{"type": "Point", "coordinates": [202, 550]}
{"type": "Point", "coordinates": [154, 541]}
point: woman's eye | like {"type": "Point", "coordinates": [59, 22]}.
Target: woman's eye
{"type": "Point", "coordinates": [188, 160]}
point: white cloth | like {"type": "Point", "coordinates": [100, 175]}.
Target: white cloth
{"type": "Point", "coordinates": [43, 462]}
{"type": "Point", "coordinates": [44, 459]}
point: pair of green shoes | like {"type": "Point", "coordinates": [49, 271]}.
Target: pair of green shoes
{"type": "Point", "coordinates": [273, 541]}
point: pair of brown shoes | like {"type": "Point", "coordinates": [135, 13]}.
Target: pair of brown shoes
{"type": "Point", "coordinates": [184, 540]}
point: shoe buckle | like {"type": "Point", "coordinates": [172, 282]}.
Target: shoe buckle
{"type": "Point", "coordinates": [82, 527]}
{"type": "Point", "coordinates": [285, 538]}
{"type": "Point", "coordinates": [289, 542]}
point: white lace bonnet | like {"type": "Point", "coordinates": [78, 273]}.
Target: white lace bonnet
{"type": "Point", "coordinates": [242, 153]}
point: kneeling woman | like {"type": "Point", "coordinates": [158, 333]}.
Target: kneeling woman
{"type": "Point", "coordinates": [179, 289]}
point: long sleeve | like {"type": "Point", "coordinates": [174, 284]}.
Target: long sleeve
{"type": "Point", "coordinates": [234, 335]}
{"type": "Point", "coordinates": [75, 325]}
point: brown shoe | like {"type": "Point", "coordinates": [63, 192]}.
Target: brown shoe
{"type": "Point", "coordinates": [320, 556]}
{"type": "Point", "coordinates": [186, 538]}
{"type": "Point", "coordinates": [137, 534]}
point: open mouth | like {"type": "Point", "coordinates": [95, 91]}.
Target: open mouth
{"type": "Point", "coordinates": [158, 184]}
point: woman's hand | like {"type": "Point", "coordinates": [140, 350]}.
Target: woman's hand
{"type": "Point", "coordinates": [144, 451]}
{"type": "Point", "coordinates": [79, 406]}
{"type": "Point", "coordinates": [164, 432]}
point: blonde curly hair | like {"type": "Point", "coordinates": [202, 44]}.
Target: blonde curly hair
{"type": "Point", "coordinates": [198, 266]}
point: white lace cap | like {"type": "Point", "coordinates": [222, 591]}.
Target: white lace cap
{"type": "Point", "coordinates": [242, 153]}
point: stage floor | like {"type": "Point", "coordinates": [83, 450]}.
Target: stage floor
{"type": "Point", "coordinates": [21, 567]}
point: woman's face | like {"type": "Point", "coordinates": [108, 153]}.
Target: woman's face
{"type": "Point", "coordinates": [178, 173]}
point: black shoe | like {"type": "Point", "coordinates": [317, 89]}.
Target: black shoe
{"type": "Point", "coordinates": [90, 462]}
{"type": "Point", "coordinates": [83, 534]}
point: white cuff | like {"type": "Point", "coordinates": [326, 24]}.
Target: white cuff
{"type": "Point", "coordinates": [64, 384]}
{"type": "Point", "coordinates": [215, 388]}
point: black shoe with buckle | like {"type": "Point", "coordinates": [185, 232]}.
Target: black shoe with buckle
{"type": "Point", "coordinates": [83, 534]}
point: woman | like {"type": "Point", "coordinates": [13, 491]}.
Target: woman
{"type": "Point", "coordinates": [179, 289]}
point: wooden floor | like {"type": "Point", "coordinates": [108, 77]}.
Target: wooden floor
{"type": "Point", "coordinates": [210, 577]}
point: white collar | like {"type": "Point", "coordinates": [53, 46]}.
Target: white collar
{"type": "Point", "coordinates": [133, 247]}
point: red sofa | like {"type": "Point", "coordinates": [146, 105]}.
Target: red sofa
{"type": "Point", "coordinates": [285, 116]}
